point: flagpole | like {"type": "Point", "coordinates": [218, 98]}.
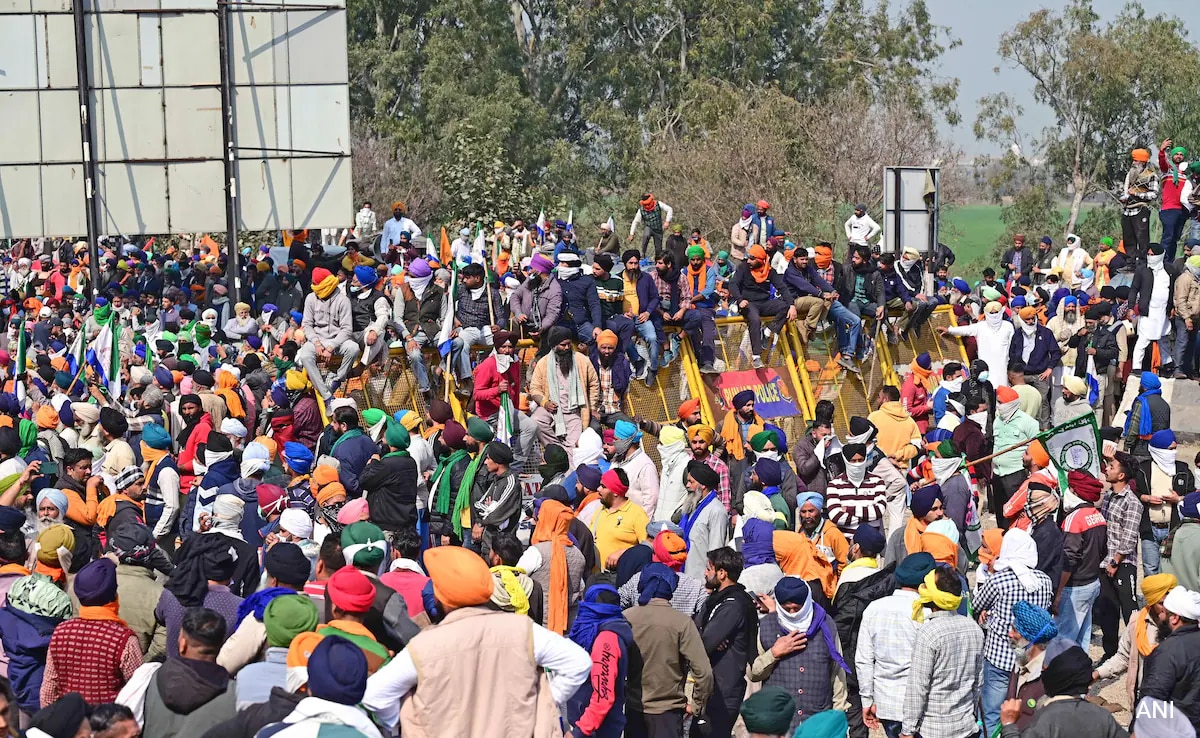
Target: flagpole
{"type": "Point", "coordinates": [1001, 452]}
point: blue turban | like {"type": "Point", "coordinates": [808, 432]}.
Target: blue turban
{"type": "Point", "coordinates": [57, 346]}
{"type": "Point", "coordinates": [758, 542]}
{"type": "Point", "coordinates": [912, 570]}
{"type": "Point", "coordinates": [1162, 439]}
{"type": "Point", "coordinates": [1033, 623]}
{"type": "Point", "coordinates": [11, 519]}
{"type": "Point", "coordinates": [1190, 507]}
{"type": "Point", "coordinates": [279, 395]}
{"type": "Point", "coordinates": [806, 497]}
{"type": "Point", "coordinates": [156, 436]}
{"type": "Point", "coordinates": [624, 429]}
{"type": "Point", "coordinates": [337, 671]}
{"type": "Point", "coordinates": [101, 302]}
{"type": "Point", "coordinates": [270, 307]}
{"type": "Point", "coordinates": [1069, 300]}
{"type": "Point", "coordinates": [297, 316]}
{"type": "Point", "coordinates": [298, 457]}
{"type": "Point", "coordinates": [869, 540]}
{"type": "Point", "coordinates": [937, 435]}
{"type": "Point", "coordinates": [923, 499]}
{"type": "Point", "coordinates": [57, 497]}
{"type": "Point", "coordinates": [9, 405]}
{"type": "Point", "coordinates": [66, 415]}
{"type": "Point", "coordinates": [1017, 302]}
{"type": "Point", "coordinates": [768, 472]}
{"type": "Point", "coordinates": [1150, 381]}
{"type": "Point", "coordinates": [140, 350]}
{"type": "Point", "coordinates": [366, 275]}
{"type": "Point", "coordinates": [961, 285]}
{"type": "Point", "coordinates": [924, 361]}
{"type": "Point", "coordinates": [793, 590]}
{"type": "Point", "coordinates": [742, 398]}
{"type": "Point", "coordinates": [656, 581]}
{"type": "Point", "coordinates": [164, 377]}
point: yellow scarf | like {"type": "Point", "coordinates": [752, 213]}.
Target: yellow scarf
{"type": "Point", "coordinates": [929, 594]}
{"type": "Point", "coordinates": [325, 287]}
{"type": "Point", "coordinates": [152, 456]}
{"type": "Point", "coordinates": [731, 431]}
{"type": "Point", "coordinates": [512, 585]}
{"type": "Point", "coordinates": [1144, 646]}
{"type": "Point", "coordinates": [867, 561]}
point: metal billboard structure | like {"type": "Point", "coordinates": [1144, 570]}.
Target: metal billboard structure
{"type": "Point", "coordinates": [138, 117]}
{"type": "Point", "coordinates": [910, 208]}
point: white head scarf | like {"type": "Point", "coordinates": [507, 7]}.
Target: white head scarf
{"type": "Point", "coordinates": [1019, 553]}
{"type": "Point", "coordinates": [797, 621]}
{"type": "Point", "coordinates": [297, 522]}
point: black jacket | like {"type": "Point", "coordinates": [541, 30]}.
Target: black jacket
{"type": "Point", "coordinates": [390, 486]}
{"type": "Point", "coordinates": [728, 623]}
{"type": "Point", "coordinates": [743, 287]}
{"type": "Point", "coordinates": [850, 602]}
{"type": "Point", "coordinates": [1105, 343]}
{"type": "Point", "coordinates": [874, 285]}
{"type": "Point", "coordinates": [1142, 288]}
{"type": "Point", "coordinates": [1028, 256]}
{"type": "Point", "coordinates": [1066, 718]}
{"type": "Point", "coordinates": [424, 314]}
{"type": "Point", "coordinates": [254, 718]}
{"type": "Point", "coordinates": [580, 301]}
{"type": "Point", "coordinates": [1172, 673]}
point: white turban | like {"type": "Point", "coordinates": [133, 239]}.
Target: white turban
{"type": "Point", "coordinates": [233, 427]}
{"type": "Point", "coordinates": [297, 522]}
{"type": "Point", "coordinates": [1184, 603]}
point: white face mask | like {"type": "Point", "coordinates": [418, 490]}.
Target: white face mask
{"type": "Point", "coordinates": [772, 455]}
{"type": "Point", "coordinates": [979, 418]}
{"type": "Point", "coordinates": [856, 471]}
{"type": "Point", "coordinates": [1155, 261]}
{"type": "Point", "coordinates": [953, 385]}
{"type": "Point", "coordinates": [994, 319]}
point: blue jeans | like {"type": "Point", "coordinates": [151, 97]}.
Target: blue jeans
{"type": "Point", "coordinates": [1152, 551]}
{"type": "Point", "coordinates": [460, 348]}
{"type": "Point", "coordinates": [995, 687]}
{"type": "Point", "coordinates": [891, 728]}
{"type": "Point", "coordinates": [1173, 222]}
{"type": "Point", "coordinates": [416, 359]}
{"type": "Point", "coordinates": [1074, 619]}
{"type": "Point", "coordinates": [650, 335]}
{"type": "Point", "coordinates": [848, 327]}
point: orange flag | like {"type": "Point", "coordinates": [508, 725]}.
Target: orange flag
{"type": "Point", "coordinates": [445, 248]}
{"type": "Point", "coordinates": [213, 249]}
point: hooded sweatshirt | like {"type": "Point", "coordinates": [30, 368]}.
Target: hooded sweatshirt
{"type": "Point", "coordinates": [897, 431]}
{"type": "Point", "coordinates": [187, 697]}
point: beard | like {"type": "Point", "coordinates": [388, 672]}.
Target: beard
{"type": "Point", "coordinates": [1070, 316]}
{"type": "Point", "coordinates": [711, 584]}
{"type": "Point", "coordinates": [810, 525]}
{"type": "Point", "coordinates": [609, 360]}
{"type": "Point", "coordinates": [564, 359]}
{"type": "Point", "coordinates": [44, 523]}
{"type": "Point", "coordinates": [744, 415]}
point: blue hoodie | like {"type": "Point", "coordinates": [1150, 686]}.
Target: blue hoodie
{"type": "Point", "coordinates": [26, 638]}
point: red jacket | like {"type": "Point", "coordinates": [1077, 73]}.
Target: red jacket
{"type": "Point", "coordinates": [487, 385]}
{"type": "Point", "coordinates": [187, 457]}
{"type": "Point", "coordinates": [1170, 190]}
{"type": "Point", "coordinates": [915, 399]}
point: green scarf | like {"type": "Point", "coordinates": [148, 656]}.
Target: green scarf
{"type": "Point", "coordinates": [27, 431]}
{"type": "Point", "coordinates": [102, 315]}
{"type": "Point", "coordinates": [441, 502]}
{"type": "Point", "coordinates": [282, 365]}
{"type": "Point", "coordinates": [352, 433]}
{"type": "Point", "coordinates": [463, 501]}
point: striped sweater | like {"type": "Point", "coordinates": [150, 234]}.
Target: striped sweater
{"type": "Point", "coordinates": [848, 506]}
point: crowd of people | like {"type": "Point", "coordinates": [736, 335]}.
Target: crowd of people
{"type": "Point", "coordinates": [203, 534]}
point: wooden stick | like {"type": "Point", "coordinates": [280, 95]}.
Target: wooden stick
{"type": "Point", "coordinates": [1001, 452]}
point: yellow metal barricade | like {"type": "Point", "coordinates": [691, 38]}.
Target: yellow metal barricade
{"type": "Point", "coordinates": [941, 349]}
{"type": "Point", "coordinates": [824, 379]}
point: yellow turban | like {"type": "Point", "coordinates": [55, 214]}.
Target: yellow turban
{"type": "Point", "coordinates": [46, 418]}
{"type": "Point", "coordinates": [929, 594]}
{"type": "Point", "coordinates": [607, 338]}
{"type": "Point", "coordinates": [708, 434]}
{"type": "Point", "coordinates": [297, 379]}
{"type": "Point", "coordinates": [1156, 586]}
{"type": "Point", "coordinates": [670, 434]}
{"type": "Point", "coordinates": [241, 307]}
{"type": "Point", "coordinates": [1028, 314]}
{"type": "Point", "coordinates": [52, 539]}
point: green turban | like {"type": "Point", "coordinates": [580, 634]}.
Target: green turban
{"type": "Point", "coordinates": [769, 711]}
{"type": "Point", "coordinates": [1106, 241]}
{"type": "Point", "coordinates": [759, 440]}
{"type": "Point", "coordinates": [288, 616]}
{"type": "Point", "coordinates": [363, 545]}
{"type": "Point", "coordinates": [396, 436]}
{"type": "Point", "coordinates": [694, 252]}
{"type": "Point", "coordinates": [27, 430]}
{"type": "Point", "coordinates": [946, 449]}
{"type": "Point", "coordinates": [479, 430]}
{"type": "Point", "coordinates": [990, 293]}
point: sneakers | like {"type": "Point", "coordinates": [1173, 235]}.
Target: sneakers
{"type": "Point", "coordinates": [641, 373]}
{"type": "Point", "coordinates": [708, 369]}
{"type": "Point", "coordinates": [845, 362]}
{"type": "Point", "coordinates": [757, 362]}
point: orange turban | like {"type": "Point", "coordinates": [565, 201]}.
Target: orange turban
{"type": "Point", "coordinates": [1006, 394]}
{"type": "Point", "coordinates": [758, 252]}
{"type": "Point", "coordinates": [940, 547]}
{"type": "Point", "coordinates": [648, 202]}
{"type": "Point", "coordinates": [992, 538]}
{"type": "Point", "coordinates": [1027, 313]}
{"type": "Point", "coordinates": [327, 492]}
{"type": "Point", "coordinates": [46, 418]}
{"type": "Point", "coordinates": [708, 434]}
{"type": "Point", "coordinates": [606, 338]}
{"type": "Point", "coordinates": [398, 204]}
{"type": "Point", "coordinates": [272, 447]}
{"type": "Point", "coordinates": [1142, 155]}
{"type": "Point", "coordinates": [60, 364]}
{"type": "Point", "coordinates": [324, 474]}
{"type": "Point", "coordinates": [670, 549]}
{"type": "Point", "coordinates": [460, 577]}
{"type": "Point", "coordinates": [1039, 455]}
{"type": "Point", "coordinates": [553, 522]}
{"type": "Point", "coordinates": [798, 556]}
{"type": "Point", "coordinates": [688, 407]}
{"type": "Point", "coordinates": [823, 256]}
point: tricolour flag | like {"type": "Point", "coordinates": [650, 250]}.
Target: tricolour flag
{"type": "Point", "coordinates": [1074, 445]}
{"type": "Point", "coordinates": [445, 338]}
{"type": "Point", "coordinates": [105, 356]}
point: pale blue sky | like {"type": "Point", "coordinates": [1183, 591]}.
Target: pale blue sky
{"type": "Point", "coordinates": [979, 23]}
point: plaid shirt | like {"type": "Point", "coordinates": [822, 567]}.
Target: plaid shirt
{"type": "Point", "coordinates": [1123, 512]}
{"type": "Point", "coordinates": [475, 313]}
{"type": "Point", "coordinates": [997, 595]}
{"type": "Point", "coordinates": [884, 653]}
{"type": "Point", "coordinates": [722, 470]}
{"type": "Point", "coordinates": [665, 289]}
{"type": "Point", "coordinates": [945, 676]}
{"type": "Point", "coordinates": [609, 401]}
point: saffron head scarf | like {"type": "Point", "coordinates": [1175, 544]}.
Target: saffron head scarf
{"type": "Point", "coordinates": [553, 523]}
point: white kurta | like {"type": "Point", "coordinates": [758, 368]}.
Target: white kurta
{"type": "Point", "coordinates": [1153, 325]}
{"type": "Point", "coordinates": [992, 344]}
